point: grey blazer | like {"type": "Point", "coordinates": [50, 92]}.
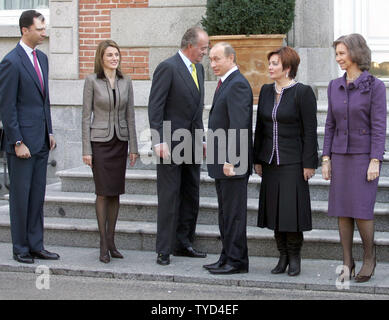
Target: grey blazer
{"type": "Point", "coordinates": [107, 118]}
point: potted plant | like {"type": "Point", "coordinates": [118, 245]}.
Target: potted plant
{"type": "Point", "coordinates": [254, 28]}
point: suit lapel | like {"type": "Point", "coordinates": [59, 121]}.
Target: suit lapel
{"type": "Point", "coordinates": [30, 68]}
{"type": "Point", "coordinates": [187, 77]}
{"type": "Point", "coordinates": [222, 87]}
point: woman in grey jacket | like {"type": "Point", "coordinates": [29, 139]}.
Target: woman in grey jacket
{"type": "Point", "coordinates": [108, 126]}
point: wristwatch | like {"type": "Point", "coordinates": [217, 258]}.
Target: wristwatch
{"type": "Point", "coordinates": [18, 143]}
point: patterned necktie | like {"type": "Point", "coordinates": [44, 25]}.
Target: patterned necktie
{"type": "Point", "coordinates": [194, 75]}
{"type": "Point", "coordinates": [37, 70]}
{"type": "Point", "coordinates": [218, 85]}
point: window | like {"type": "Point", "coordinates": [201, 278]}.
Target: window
{"type": "Point", "coordinates": [368, 18]}
{"type": "Point", "coordinates": [10, 10]}
{"type": "Point", "coordinates": [23, 4]}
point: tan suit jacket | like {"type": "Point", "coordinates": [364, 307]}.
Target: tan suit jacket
{"type": "Point", "coordinates": [107, 118]}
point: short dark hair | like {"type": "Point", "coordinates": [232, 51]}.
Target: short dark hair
{"type": "Point", "coordinates": [26, 20]}
{"type": "Point", "coordinates": [358, 49]}
{"type": "Point", "coordinates": [228, 49]}
{"type": "Point", "coordinates": [289, 59]}
{"type": "Point", "coordinates": [190, 37]}
{"type": "Point", "coordinates": [99, 69]}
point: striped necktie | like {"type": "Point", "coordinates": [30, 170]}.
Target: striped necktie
{"type": "Point", "coordinates": [194, 75]}
{"type": "Point", "coordinates": [38, 72]}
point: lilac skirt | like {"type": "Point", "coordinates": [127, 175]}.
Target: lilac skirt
{"type": "Point", "coordinates": [351, 195]}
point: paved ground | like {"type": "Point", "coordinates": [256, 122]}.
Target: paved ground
{"type": "Point", "coordinates": [81, 265]}
{"type": "Point", "coordinates": [20, 285]}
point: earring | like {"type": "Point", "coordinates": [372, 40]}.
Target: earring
{"type": "Point", "coordinates": [287, 75]}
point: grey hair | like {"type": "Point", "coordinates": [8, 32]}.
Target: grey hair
{"type": "Point", "coordinates": [190, 37]}
{"type": "Point", "coordinates": [228, 49]}
{"type": "Point", "coordinates": [358, 49]}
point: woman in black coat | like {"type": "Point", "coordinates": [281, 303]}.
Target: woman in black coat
{"type": "Point", "coordinates": [285, 156]}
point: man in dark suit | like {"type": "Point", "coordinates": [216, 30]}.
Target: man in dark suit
{"type": "Point", "coordinates": [176, 105]}
{"type": "Point", "coordinates": [229, 157]}
{"type": "Point", "coordinates": [25, 110]}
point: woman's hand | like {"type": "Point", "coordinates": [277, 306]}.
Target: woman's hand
{"type": "Point", "coordinates": [87, 160]}
{"type": "Point", "coordinates": [308, 173]}
{"type": "Point", "coordinates": [373, 172]}
{"type": "Point", "coordinates": [133, 157]}
{"type": "Point", "coordinates": [326, 169]}
{"type": "Point", "coordinates": [258, 169]}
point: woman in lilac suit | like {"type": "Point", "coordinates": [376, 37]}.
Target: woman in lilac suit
{"type": "Point", "coordinates": [354, 146]}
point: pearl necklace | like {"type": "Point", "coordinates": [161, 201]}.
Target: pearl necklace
{"type": "Point", "coordinates": [279, 91]}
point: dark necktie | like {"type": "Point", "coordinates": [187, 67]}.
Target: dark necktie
{"type": "Point", "coordinates": [218, 85]}
{"type": "Point", "coordinates": [37, 70]}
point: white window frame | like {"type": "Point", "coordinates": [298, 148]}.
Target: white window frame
{"type": "Point", "coordinates": [11, 17]}
{"type": "Point", "coordinates": [350, 17]}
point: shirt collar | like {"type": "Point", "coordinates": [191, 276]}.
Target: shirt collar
{"type": "Point", "coordinates": [26, 47]}
{"type": "Point", "coordinates": [223, 78]}
{"type": "Point", "coordinates": [187, 62]}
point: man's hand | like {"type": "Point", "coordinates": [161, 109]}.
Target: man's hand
{"type": "Point", "coordinates": [228, 169]}
{"type": "Point", "coordinates": [22, 151]}
{"type": "Point", "coordinates": [53, 144]}
{"type": "Point", "coordinates": [162, 151]}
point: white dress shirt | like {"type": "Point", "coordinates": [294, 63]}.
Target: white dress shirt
{"type": "Point", "coordinates": [28, 50]}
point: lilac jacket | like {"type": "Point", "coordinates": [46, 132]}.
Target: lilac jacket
{"type": "Point", "coordinates": [356, 118]}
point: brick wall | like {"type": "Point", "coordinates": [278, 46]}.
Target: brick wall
{"type": "Point", "coordinates": [95, 26]}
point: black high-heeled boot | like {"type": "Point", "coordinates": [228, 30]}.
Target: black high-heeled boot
{"type": "Point", "coordinates": [283, 261]}
{"type": "Point", "coordinates": [294, 243]}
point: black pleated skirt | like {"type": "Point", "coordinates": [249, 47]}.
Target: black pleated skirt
{"type": "Point", "coordinates": [284, 201]}
{"type": "Point", "coordinates": [109, 161]}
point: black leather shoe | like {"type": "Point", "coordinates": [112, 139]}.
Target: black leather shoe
{"type": "Point", "coordinates": [45, 255]}
{"type": "Point", "coordinates": [215, 265]}
{"type": "Point", "coordinates": [228, 269]}
{"type": "Point", "coordinates": [24, 258]}
{"type": "Point", "coordinates": [163, 259]}
{"type": "Point", "coordinates": [190, 252]}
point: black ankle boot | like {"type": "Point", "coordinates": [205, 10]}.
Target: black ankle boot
{"type": "Point", "coordinates": [294, 244]}
{"type": "Point", "coordinates": [283, 262]}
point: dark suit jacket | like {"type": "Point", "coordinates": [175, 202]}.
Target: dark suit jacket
{"type": "Point", "coordinates": [25, 109]}
{"type": "Point", "coordinates": [174, 97]}
{"type": "Point", "coordinates": [232, 108]}
{"type": "Point", "coordinates": [295, 130]}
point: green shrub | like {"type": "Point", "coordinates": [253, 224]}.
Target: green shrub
{"type": "Point", "coordinates": [229, 17]}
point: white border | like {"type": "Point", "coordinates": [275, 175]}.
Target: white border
{"type": "Point", "coordinates": [11, 17]}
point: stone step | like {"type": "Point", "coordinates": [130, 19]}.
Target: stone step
{"type": "Point", "coordinates": [318, 244]}
{"type": "Point", "coordinates": [316, 274]}
{"type": "Point", "coordinates": [144, 208]}
{"type": "Point", "coordinates": [144, 182]}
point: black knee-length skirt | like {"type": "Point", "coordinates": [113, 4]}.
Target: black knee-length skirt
{"type": "Point", "coordinates": [109, 160]}
{"type": "Point", "coordinates": [284, 201]}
